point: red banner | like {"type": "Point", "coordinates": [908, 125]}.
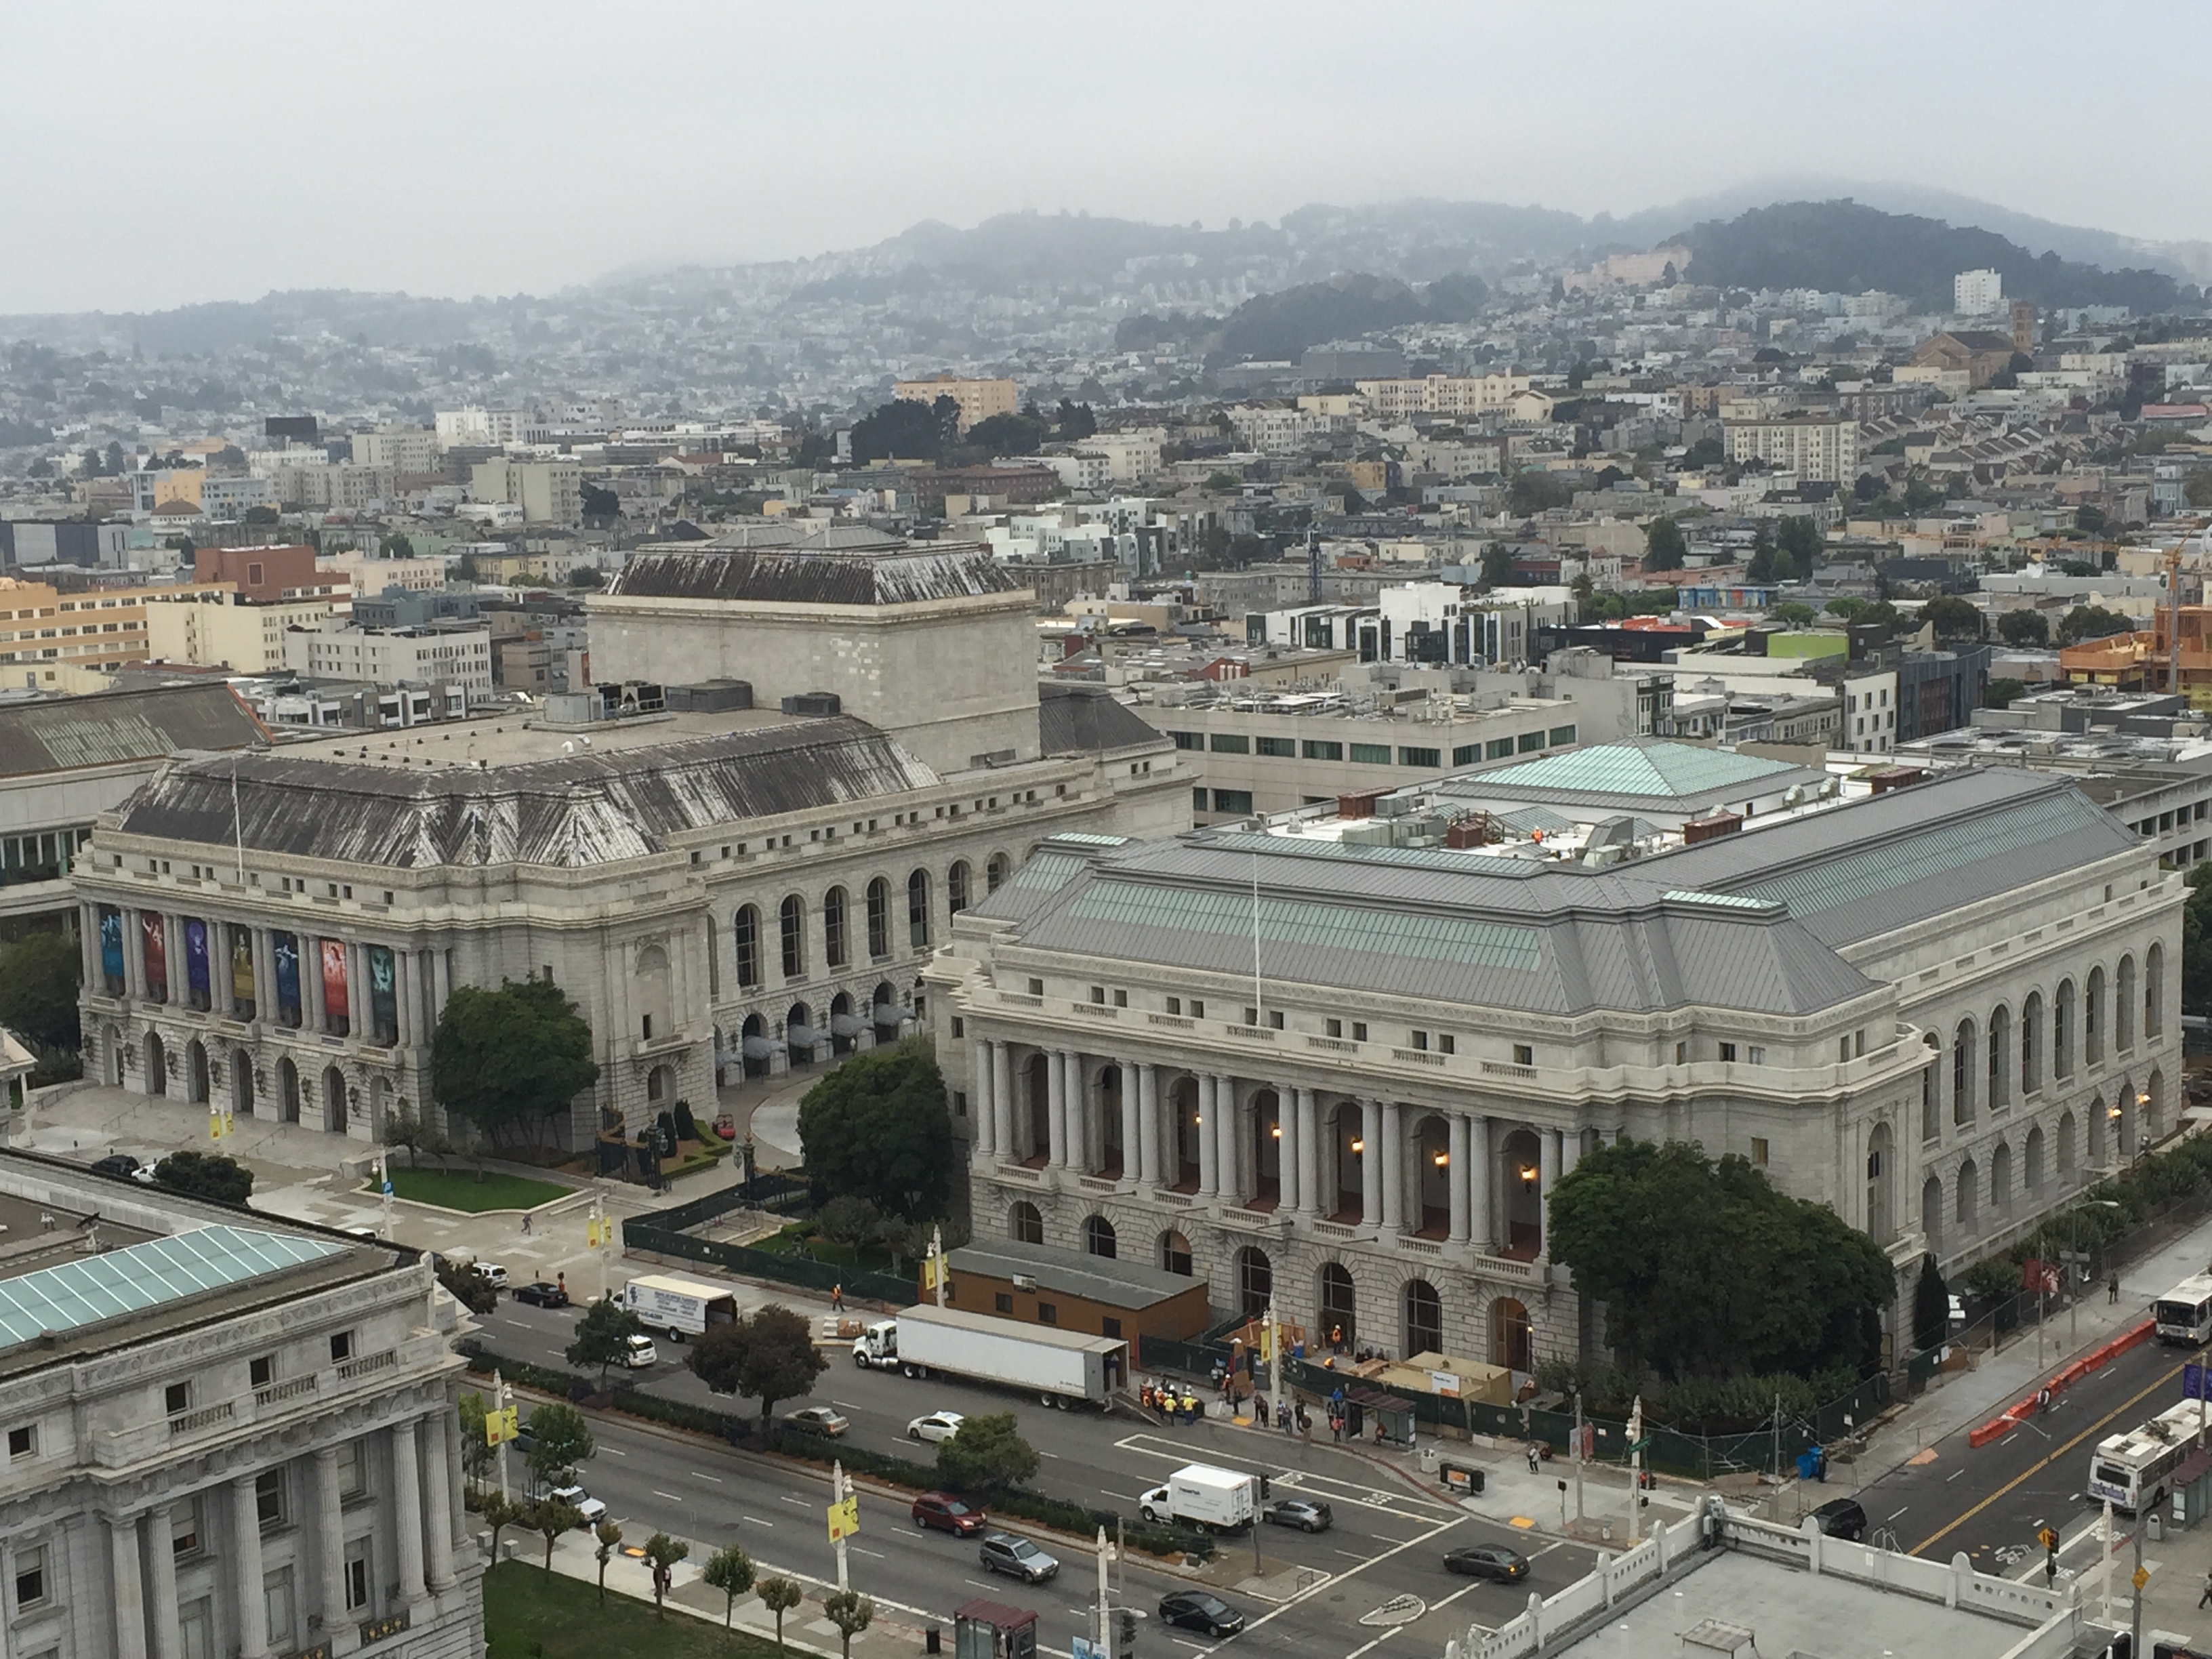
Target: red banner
{"type": "Point", "coordinates": [334, 978]}
{"type": "Point", "coordinates": [157, 955]}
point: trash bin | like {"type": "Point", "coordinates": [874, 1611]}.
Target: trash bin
{"type": "Point", "coordinates": [1428, 1456]}
{"type": "Point", "coordinates": [932, 1641]}
{"type": "Point", "coordinates": [2153, 1525]}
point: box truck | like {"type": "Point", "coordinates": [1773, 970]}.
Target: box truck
{"type": "Point", "coordinates": [678, 1307]}
{"type": "Point", "coordinates": [1061, 1368]}
{"type": "Point", "coordinates": [1200, 1495]}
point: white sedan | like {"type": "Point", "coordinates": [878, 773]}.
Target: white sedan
{"type": "Point", "coordinates": [938, 1426]}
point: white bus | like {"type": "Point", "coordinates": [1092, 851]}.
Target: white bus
{"type": "Point", "coordinates": [2134, 1470]}
{"type": "Point", "coordinates": [2183, 1314]}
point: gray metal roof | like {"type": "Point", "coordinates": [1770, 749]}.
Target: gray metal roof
{"type": "Point", "coordinates": [1116, 1283]}
{"type": "Point", "coordinates": [815, 575]}
{"type": "Point", "coordinates": [572, 812]}
{"type": "Point", "coordinates": [1088, 720]}
{"type": "Point", "coordinates": [111, 728]}
{"type": "Point", "coordinates": [141, 1276]}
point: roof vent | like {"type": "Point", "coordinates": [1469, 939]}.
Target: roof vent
{"type": "Point", "coordinates": [1025, 1282]}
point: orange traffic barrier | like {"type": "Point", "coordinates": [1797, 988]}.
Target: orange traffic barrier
{"type": "Point", "coordinates": [2097, 1357]}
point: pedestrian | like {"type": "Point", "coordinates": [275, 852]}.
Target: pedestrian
{"type": "Point", "coordinates": [1532, 1457]}
{"type": "Point", "coordinates": [2112, 1289]}
{"type": "Point", "coordinates": [1335, 1429]}
{"type": "Point", "coordinates": [2205, 1600]}
{"type": "Point", "coordinates": [526, 1221]}
{"type": "Point", "coordinates": [561, 1280]}
{"type": "Point", "coordinates": [836, 1298]}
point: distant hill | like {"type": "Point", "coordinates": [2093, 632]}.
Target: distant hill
{"type": "Point", "coordinates": [1282, 325]}
{"type": "Point", "coordinates": [1845, 246]}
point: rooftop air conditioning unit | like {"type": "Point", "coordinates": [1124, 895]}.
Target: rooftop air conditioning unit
{"type": "Point", "coordinates": [1023, 1282]}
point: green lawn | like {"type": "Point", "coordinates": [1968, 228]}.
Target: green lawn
{"type": "Point", "coordinates": [529, 1616]}
{"type": "Point", "coordinates": [793, 1241]}
{"type": "Point", "coordinates": [463, 1189]}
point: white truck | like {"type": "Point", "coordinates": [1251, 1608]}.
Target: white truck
{"type": "Point", "coordinates": [1062, 1368]}
{"type": "Point", "coordinates": [1200, 1495]}
{"type": "Point", "coordinates": [678, 1307]}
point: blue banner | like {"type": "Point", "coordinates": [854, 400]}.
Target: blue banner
{"type": "Point", "coordinates": [2193, 1383]}
{"type": "Point", "coordinates": [111, 943]}
{"type": "Point", "coordinates": [286, 948]}
{"type": "Point", "coordinates": [196, 956]}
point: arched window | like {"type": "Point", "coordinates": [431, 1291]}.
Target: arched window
{"type": "Point", "coordinates": [917, 909]}
{"type": "Point", "coordinates": [2062, 1030]}
{"type": "Point", "coordinates": [1098, 1236]}
{"type": "Point", "coordinates": [2065, 1149]}
{"type": "Point", "coordinates": [1931, 1211]}
{"type": "Point", "coordinates": [2092, 1018]}
{"type": "Point", "coordinates": [2000, 1058]}
{"type": "Point", "coordinates": [1962, 1073]}
{"type": "Point", "coordinates": [2032, 1163]}
{"type": "Point", "coordinates": [713, 962]}
{"type": "Point", "coordinates": [2000, 1180]}
{"type": "Point", "coordinates": [1024, 1225]}
{"type": "Point", "coordinates": [1969, 1198]}
{"type": "Point", "coordinates": [1340, 1322]}
{"type": "Point", "coordinates": [2124, 1004]}
{"type": "Point", "coordinates": [2154, 992]}
{"type": "Point", "coordinates": [1931, 1116]}
{"type": "Point", "coordinates": [2031, 1048]}
{"type": "Point", "coordinates": [1878, 1223]}
{"type": "Point", "coordinates": [995, 872]}
{"type": "Point", "coordinates": [1424, 1318]}
{"type": "Point", "coordinates": [879, 918]}
{"type": "Point", "coordinates": [1175, 1255]}
{"type": "Point", "coordinates": [744, 937]}
{"type": "Point", "coordinates": [1256, 1280]}
{"type": "Point", "coordinates": [833, 928]}
{"type": "Point", "coordinates": [791, 920]}
{"type": "Point", "coordinates": [956, 886]}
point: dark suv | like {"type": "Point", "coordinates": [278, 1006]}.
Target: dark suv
{"type": "Point", "coordinates": [1844, 1518]}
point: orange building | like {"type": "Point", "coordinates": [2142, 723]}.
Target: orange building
{"type": "Point", "coordinates": [2140, 661]}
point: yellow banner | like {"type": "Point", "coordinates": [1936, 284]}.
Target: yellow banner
{"type": "Point", "coordinates": [844, 1518]}
{"type": "Point", "coordinates": [931, 1268]}
{"type": "Point", "coordinates": [502, 1425]}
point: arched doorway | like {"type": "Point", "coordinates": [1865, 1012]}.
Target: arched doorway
{"type": "Point", "coordinates": [2099, 1121]}
{"type": "Point", "coordinates": [196, 1073]}
{"type": "Point", "coordinates": [1347, 1149]}
{"type": "Point", "coordinates": [1967, 1209]}
{"type": "Point", "coordinates": [114, 1058]}
{"type": "Point", "coordinates": [753, 1043]}
{"type": "Point", "coordinates": [1184, 1102]}
{"type": "Point", "coordinates": [1036, 1084]}
{"type": "Point", "coordinates": [334, 1100]}
{"type": "Point", "coordinates": [2154, 1107]}
{"type": "Point", "coordinates": [2032, 1163]}
{"type": "Point", "coordinates": [1024, 1225]}
{"type": "Point", "coordinates": [1878, 1224]}
{"type": "Point", "coordinates": [799, 1033]}
{"type": "Point", "coordinates": [157, 1065]}
{"type": "Point", "coordinates": [844, 1029]}
{"type": "Point", "coordinates": [2000, 1180]}
{"type": "Point", "coordinates": [1267, 1151]}
{"type": "Point", "coordinates": [241, 1083]}
{"type": "Point", "coordinates": [288, 1090]}
{"type": "Point", "coordinates": [1113, 1156]}
{"type": "Point", "coordinates": [1521, 1157]}
{"type": "Point", "coordinates": [1255, 1281]}
{"type": "Point", "coordinates": [1510, 1335]}
{"type": "Point", "coordinates": [1432, 1179]}
{"type": "Point", "coordinates": [1931, 1213]}
{"type": "Point", "coordinates": [1175, 1254]}
{"type": "Point", "coordinates": [1424, 1319]}
{"type": "Point", "coordinates": [660, 1088]}
{"type": "Point", "coordinates": [1098, 1236]}
{"type": "Point", "coordinates": [2065, 1149]}
{"type": "Point", "coordinates": [1339, 1302]}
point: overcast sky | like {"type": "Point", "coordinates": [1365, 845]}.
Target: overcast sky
{"type": "Point", "coordinates": [163, 154]}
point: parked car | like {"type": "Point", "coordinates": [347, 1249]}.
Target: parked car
{"type": "Point", "coordinates": [938, 1426]}
{"type": "Point", "coordinates": [726, 1126]}
{"type": "Point", "coordinates": [492, 1273]}
{"type": "Point", "coordinates": [638, 1353]}
{"type": "Point", "coordinates": [1196, 1610]}
{"type": "Point", "coordinates": [1303, 1513]}
{"type": "Point", "coordinates": [817, 1419]}
{"type": "Point", "coordinates": [1844, 1518]}
{"type": "Point", "coordinates": [589, 1507]}
{"type": "Point", "coordinates": [1489, 1561]}
{"type": "Point", "coordinates": [1018, 1557]}
{"type": "Point", "coordinates": [121, 1166]}
{"type": "Point", "coordinates": [541, 1293]}
{"type": "Point", "coordinates": [948, 1514]}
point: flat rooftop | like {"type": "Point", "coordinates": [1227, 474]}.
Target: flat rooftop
{"type": "Point", "coordinates": [518, 739]}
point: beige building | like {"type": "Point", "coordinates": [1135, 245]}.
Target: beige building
{"type": "Point", "coordinates": [549, 491]}
{"type": "Point", "coordinates": [43, 633]}
{"type": "Point", "coordinates": [1441, 394]}
{"type": "Point", "coordinates": [399, 449]}
{"type": "Point", "coordinates": [218, 632]}
{"type": "Point", "coordinates": [371, 575]}
{"type": "Point", "coordinates": [979, 400]}
{"type": "Point", "coordinates": [1818, 446]}
{"type": "Point", "coordinates": [395, 656]}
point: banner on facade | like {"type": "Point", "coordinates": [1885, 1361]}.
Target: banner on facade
{"type": "Point", "coordinates": [286, 948]}
{"type": "Point", "coordinates": [383, 994]}
{"type": "Point", "coordinates": [111, 944]}
{"type": "Point", "coordinates": [334, 978]}
{"type": "Point", "coordinates": [241, 965]}
{"type": "Point", "coordinates": [195, 958]}
{"type": "Point", "coordinates": [154, 945]}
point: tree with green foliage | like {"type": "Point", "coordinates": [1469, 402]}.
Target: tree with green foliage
{"type": "Point", "coordinates": [395, 546]}
{"type": "Point", "coordinates": [768, 1354]}
{"type": "Point", "coordinates": [2196, 942]}
{"type": "Point", "coordinates": [2090, 622]}
{"type": "Point", "coordinates": [1931, 1305]}
{"type": "Point", "coordinates": [2198, 488]}
{"type": "Point", "coordinates": [846, 1219]}
{"type": "Point", "coordinates": [1663, 546]}
{"type": "Point", "coordinates": [477, 1453]}
{"type": "Point", "coordinates": [39, 976]}
{"type": "Point", "coordinates": [851, 1612]}
{"type": "Point", "coordinates": [1009, 435]}
{"type": "Point", "coordinates": [584, 576]}
{"type": "Point", "coordinates": [500, 1512]}
{"type": "Point", "coordinates": [1798, 540]}
{"type": "Point", "coordinates": [603, 1335]}
{"type": "Point", "coordinates": [1497, 566]}
{"type": "Point", "coordinates": [1921, 494]}
{"type": "Point", "coordinates": [1793, 613]}
{"type": "Point", "coordinates": [1706, 452]}
{"type": "Point", "coordinates": [2024, 627]}
{"type": "Point", "coordinates": [560, 1439]}
{"type": "Point", "coordinates": [2091, 519]}
{"type": "Point", "coordinates": [730, 1570]}
{"type": "Point", "coordinates": [986, 1456]}
{"type": "Point", "coordinates": [1536, 491]}
{"type": "Point", "coordinates": [879, 1127]}
{"type": "Point", "coordinates": [610, 1536]}
{"type": "Point", "coordinates": [662, 1552]}
{"type": "Point", "coordinates": [902, 429]}
{"type": "Point", "coordinates": [549, 1517]}
{"type": "Point", "coordinates": [417, 1132]}
{"type": "Point", "coordinates": [779, 1594]}
{"type": "Point", "coordinates": [1219, 482]}
{"type": "Point", "coordinates": [205, 1174]}
{"type": "Point", "coordinates": [508, 1062]}
{"type": "Point", "coordinates": [1953, 617]}
{"type": "Point", "coordinates": [2003, 692]}
{"type": "Point", "coordinates": [468, 1287]}
{"type": "Point", "coordinates": [1705, 1269]}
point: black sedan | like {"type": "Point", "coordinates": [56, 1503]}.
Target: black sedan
{"type": "Point", "coordinates": [1303, 1513]}
{"type": "Point", "coordinates": [541, 1293]}
{"type": "Point", "coordinates": [1489, 1561]}
{"type": "Point", "coordinates": [1196, 1610]}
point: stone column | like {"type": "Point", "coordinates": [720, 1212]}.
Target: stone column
{"type": "Point", "coordinates": [330, 1544]}
{"type": "Point", "coordinates": [245, 1568]}
{"type": "Point", "coordinates": [1148, 1127]}
{"type": "Point", "coordinates": [987, 1124]}
{"type": "Point", "coordinates": [264, 976]}
{"type": "Point", "coordinates": [129, 1589]}
{"type": "Point", "coordinates": [161, 1560]}
{"type": "Point", "coordinates": [407, 1508]}
{"type": "Point", "coordinates": [1286, 1150]}
{"type": "Point", "coordinates": [1133, 1121]}
{"type": "Point", "coordinates": [134, 957]}
{"type": "Point", "coordinates": [1481, 1183]}
{"type": "Point", "coordinates": [403, 999]}
{"type": "Point", "coordinates": [1461, 1172]}
{"type": "Point", "coordinates": [179, 988]}
{"type": "Point", "coordinates": [1002, 1098]}
{"type": "Point", "coordinates": [356, 957]}
{"type": "Point", "coordinates": [1055, 1083]}
{"type": "Point", "coordinates": [1228, 1155]}
{"type": "Point", "coordinates": [1548, 1141]}
{"type": "Point", "coordinates": [1371, 1162]}
{"type": "Point", "coordinates": [1570, 1150]}
{"type": "Point", "coordinates": [438, 1431]}
{"type": "Point", "coordinates": [1309, 1155]}
{"type": "Point", "coordinates": [1393, 1169]}
{"type": "Point", "coordinates": [87, 942]}
{"type": "Point", "coordinates": [1209, 1151]}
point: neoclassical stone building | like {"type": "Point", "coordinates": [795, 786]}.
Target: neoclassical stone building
{"type": "Point", "coordinates": [1345, 1077]}
{"type": "Point", "coordinates": [257, 1456]}
{"type": "Point", "coordinates": [720, 888]}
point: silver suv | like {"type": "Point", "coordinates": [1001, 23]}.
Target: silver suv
{"type": "Point", "coordinates": [1018, 1557]}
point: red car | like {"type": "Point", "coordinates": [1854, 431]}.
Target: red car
{"type": "Point", "coordinates": [948, 1514]}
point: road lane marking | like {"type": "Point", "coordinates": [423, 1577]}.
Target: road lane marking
{"type": "Point", "coordinates": [786, 1497]}
{"type": "Point", "coordinates": [857, 1550]}
{"type": "Point", "coordinates": [700, 1475]}
{"type": "Point", "coordinates": [614, 1451]}
{"type": "Point", "coordinates": [757, 1522]}
{"type": "Point", "coordinates": [670, 1496]}
{"type": "Point", "coordinates": [1893, 1513]}
{"type": "Point", "coordinates": [1335, 1583]}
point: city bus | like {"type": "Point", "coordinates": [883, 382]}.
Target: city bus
{"type": "Point", "coordinates": [2183, 1314]}
{"type": "Point", "coordinates": [2134, 1471]}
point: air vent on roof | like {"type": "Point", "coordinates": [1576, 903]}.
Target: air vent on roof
{"type": "Point", "coordinates": [1023, 1282]}
{"type": "Point", "coordinates": [813, 703]}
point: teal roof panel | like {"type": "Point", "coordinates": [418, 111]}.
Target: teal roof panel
{"type": "Point", "coordinates": [1646, 771]}
{"type": "Point", "coordinates": [141, 1276]}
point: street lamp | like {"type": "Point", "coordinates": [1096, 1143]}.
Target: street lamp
{"type": "Point", "coordinates": [2073, 1252]}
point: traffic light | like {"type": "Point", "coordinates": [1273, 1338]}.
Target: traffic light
{"type": "Point", "coordinates": [1122, 1638]}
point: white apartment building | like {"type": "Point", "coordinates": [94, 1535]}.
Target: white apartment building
{"type": "Point", "coordinates": [230, 498]}
{"type": "Point", "coordinates": [1131, 458]}
{"type": "Point", "coordinates": [1084, 471]}
{"type": "Point", "coordinates": [260, 1457]}
{"type": "Point", "coordinates": [399, 449]}
{"type": "Point", "coordinates": [1976, 293]}
{"type": "Point", "coordinates": [475, 426]}
{"type": "Point", "coordinates": [1457, 395]}
{"type": "Point", "coordinates": [1819, 447]}
{"type": "Point", "coordinates": [394, 656]}
{"type": "Point", "coordinates": [1275, 429]}
{"type": "Point", "coordinates": [371, 574]}
{"type": "Point", "coordinates": [549, 491]}
{"type": "Point", "coordinates": [216, 631]}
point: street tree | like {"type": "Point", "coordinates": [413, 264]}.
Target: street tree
{"type": "Point", "coordinates": [417, 1132]}
{"type": "Point", "coordinates": [2003, 692]}
{"type": "Point", "coordinates": [1849, 607]}
{"type": "Point", "coordinates": [1663, 546]}
{"type": "Point", "coordinates": [1931, 1303]}
{"type": "Point", "coordinates": [1798, 540]}
{"type": "Point", "coordinates": [468, 1287]}
{"type": "Point", "coordinates": [779, 1595]}
{"type": "Point", "coordinates": [500, 1512]}
{"type": "Point", "coordinates": [560, 1439]}
{"type": "Point", "coordinates": [902, 429]}
{"type": "Point", "coordinates": [1953, 617]}
{"type": "Point", "coordinates": [769, 1353]}
{"type": "Point", "coordinates": [1009, 435]}
{"type": "Point", "coordinates": [662, 1552]}
{"type": "Point", "coordinates": [1536, 491]}
{"type": "Point", "coordinates": [2197, 941]}
{"type": "Point", "coordinates": [2024, 627]}
{"type": "Point", "coordinates": [603, 1335]}
{"type": "Point", "coordinates": [205, 1174]}
{"type": "Point", "coordinates": [2198, 489]}
{"type": "Point", "coordinates": [986, 1456]}
{"type": "Point", "coordinates": [1705, 1270]}
{"type": "Point", "coordinates": [2090, 622]}
{"type": "Point", "coordinates": [477, 1453]}
{"type": "Point", "coordinates": [610, 1535]}
{"type": "Point", "coordinates": [879, 1127]}
{"type": "Point", "coordinates": [550, 1517]}
{"type": "Point", "coordinates": [1790, 611]}
{"type": "Point", "coordinates": [851, 1612]}
{"type": "Point", "coordinates": [730, 1570]}
{"type": "Point", "coordinates": [40, 975]}
{"type": "Point", "coordinates": [1497, 566]}
{"type": "Point", "coordinates": [508, 1061]}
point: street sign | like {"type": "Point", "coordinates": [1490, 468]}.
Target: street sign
{"type": "Point", "coordinates": [2140, 1577]}
{"type": "Point", "coordinates": [1636, 1446]}
{"type": "Point", "coordinates": [2047, 1538]}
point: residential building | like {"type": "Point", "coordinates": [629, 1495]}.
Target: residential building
{"type": "Point", "coordinates": [1824, 447]}
{"type": "Point", "coordinates": [1977, 293]}
{"type": "Point", "coordinates": [231, 498]}
{"type": "Point", "coordinates": [978, 400]}
{"type": "Point", "coordinates": [549, 491]}
{"type": "Point", "coordinates": [1131, 458]}
{"type": "Point", "coordinates": [266, 575]}
{"type": "Point", "coordinates": [399, 449]}
{"type": "Point", "coordinates": [494, 428]}
{"type": "Point", "coordinates": [151, 487]}
{"type": "Point", "coordinates": [440, 654]}
{"type": "Point", "coordinates": [1453, 396]}
{"type": "Point", "coordinates": [28, 542]}
{"type": "Point", "coordinates": [371, 573]}
{"type": "Point", "coordinates": [1337, 1070]}
{"type": "Point", "coordinates": [96, 630]}
{"type": "Point", "coordinates": [228, 1433]}
{"type": "Point", "coordinates": [1979, 354]}
{"type": "Point", "coordinates": [215, 630]}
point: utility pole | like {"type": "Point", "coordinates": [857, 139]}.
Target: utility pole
{"type": "Point", "coordinates": [840, 1490]}
{"type": "Point", "coordinates": [2105, 1560]}
{"type": "Point", "coordinates": [2136, 1617]}
{"type": "Point", "coordinates": [1578, 1454]}
{"type": "Point", "coordinates": [383, 1189]}
{"type": "Point", "coordinates": [1101, 1614]}
{"type": "Point", "coordinates": [1636, 1472]}
{"type": "Point", "coordinates": [499, 1397]}
{"type": "Point", "coordinates": [937, 1261]}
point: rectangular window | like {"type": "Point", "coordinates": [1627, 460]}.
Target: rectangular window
{"type": "Point", "coordinates": [1232, 800]}
{"type": "Point", "coordinates": [30, 1577]}
{"type": "Point", "coordinates": [1371, 754]}
{"type": "Point", "coordinates": [1529, 742]}
{"type": "Point", "coordinates": [1037, 987]}
{"type": "Point", "coordinates": [177, 1398]}
{"type": "Point", "coordinates": [1197, 1008]}
{"type": "Point", "coordinates": [1003, 1302]}
{"type": "Point", "coordinates": [1097, 995]}
{"type": "Point", "coordinates": [1109, 1326]}
{"type": "Point", "coordinates": [1497, 748]}
{"type": "Point", "coordinates": [1728, 1051]}
{"type": "Point", "coordinates": [1420, 1042]}
{"type": "Point", "coordinates": [1424, 757]}
{"type": "Point", "coordinates": [1188, 739]}
{"type": "Point", "coordinates": [1755, 1054]}
{"type": "Point", "coordinates": [1121, 999]}
{"type": "Point", "coordinates": [357, 1576]}
{"type": "Point", "coordinates": [1758, 1151]}
{"type": "Point", "coordinates": [1198, 800]}
{"type": "Point", "coordinates": [1562, 734]}
{"type": "Point", "coordinates": [23, 1442]}
{"type": "Point", "coordinates": [341, 1347]}
{"type": "Point", "coordinates": [959, 1104]}
{"type": "Point", "coordinates": [1175, 1005]}
{"type": "Point", "coordinates": [1446, 1044]}
{"type": "Point", "coordinates": [184, 1527]}
{"type": "Point", "coordinates": [1524, 1054]}
{"type": "Point", "coordinates": [1334, 1028]}
{"type": "Point", "coordinates": [1048, 1314]}
{"type": "Point", "coordinates": [353, 1470]}
{"type": "Point", "coordinates": [1321, 748]}
{"type": "Point", "coordinates": [276, 1597]}
{"type": "Point", "coordinates": [1278, 748]}
{"type": "Point", "coordinates": [1231, 742]}
{"type": "Point", "coordinates": [1467, 754]}
{"type": "Point", "coordinates": [269, 1497]}
{"type": "Point", "coordinates": [1275, 1019]}
{"type": "Point", "coordinates": [1359, 1031]}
